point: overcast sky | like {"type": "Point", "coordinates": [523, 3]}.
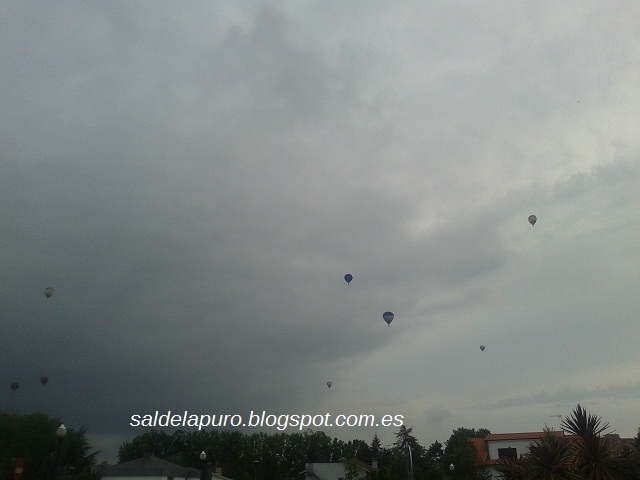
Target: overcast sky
{"type": "Point", "coordinates": [194, 179]}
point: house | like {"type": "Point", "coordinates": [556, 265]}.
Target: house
{"type": "Point", "coordinates": [496, 447]}
{"type": "Point", "coordinates": [152, 468]}
{"type": "Point", "coordinates": [338, 470]}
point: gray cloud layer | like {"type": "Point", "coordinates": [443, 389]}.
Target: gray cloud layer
{"type": "Point", "coordinates": [195, 179]}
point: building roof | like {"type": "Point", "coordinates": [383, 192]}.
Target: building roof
{"type": "Point", "coordinates": [148, 467]}
{"type": "Point", "coordinates": [481, 448]}
{"type": "Point", "coordinates": [361, 465]}
{"type": "Point", "coordinates": [492, 437]}
{"type": "Point", "coordinates": [311, 468]}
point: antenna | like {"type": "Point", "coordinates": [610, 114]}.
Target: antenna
{"type": "Point", "coordinates": [560, 417]}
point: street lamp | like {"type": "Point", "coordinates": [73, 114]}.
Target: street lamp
{"type": "Point", "coordinates": [203, 467]}
{"type": "Point", "coordinates": [440, 460]}
{"type": "Point", "coordinates": [255, 468]}
{"type": "Point", "coordinates": [61, 431]}
{"type": "Point", "coordinates": [452, 468]}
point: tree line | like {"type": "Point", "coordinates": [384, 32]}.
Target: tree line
{"type": "Point", "coordinates": [33, 439]}
{"type": "Point", "coordinates": [285, 455]}
{"type": "Point", "coordinates": [587, 453]}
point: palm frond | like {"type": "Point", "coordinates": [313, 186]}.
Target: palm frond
{"type": "Point", "coordinates": [582, 423]}
{"type": "Point", "coordinates": [550, 458]}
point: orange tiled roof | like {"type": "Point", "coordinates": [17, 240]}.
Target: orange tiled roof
{"type": "Point", "coordinates": [481, 448]}
{"type": "Point", "coordinates": [480, 444]}
{"type": "Point", "coordinates": [519, 436]}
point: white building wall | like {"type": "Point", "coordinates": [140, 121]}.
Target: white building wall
{"type": "Point", "coordinates": [521, 446]}
{"type": "Point", "coordinates": [326, 471]}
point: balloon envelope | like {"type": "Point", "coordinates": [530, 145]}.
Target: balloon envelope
{"type": "Point", "coordinates": [44, 379]}
{"type": "Point", "coordinates": [329, 384]}
{"type": "Point", "coordinates": [388, 317]}
{"type": "Point", "coordinates": [482, 347]}
{"type": "Point", "coordinates": [15, 386]}
{"type": "Point", "coordinates": [532, 220]}
{"type": "Point", "coordinates": [347, 278]}
{"type": "Point", "coordinates": [48, 292]}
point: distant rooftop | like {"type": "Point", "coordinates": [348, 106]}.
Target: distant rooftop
{"type": "Point", "coordinates": [492, 437]}
{"type": "Point", "coordinates": [148, 467]}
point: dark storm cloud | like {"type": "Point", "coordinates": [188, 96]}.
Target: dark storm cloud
{"type": "Point", "coordinates": [195, 181]}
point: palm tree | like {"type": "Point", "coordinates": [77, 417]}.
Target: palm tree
{"type": "Point", "coordinates": [550, 458]}
{"type": "Point", "coordinates": [512, 469]}
{"type": "Point", "coordinates": [594, 456]}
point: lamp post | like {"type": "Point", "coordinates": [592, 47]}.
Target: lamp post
{"type": "Point", "coordinates": [255, 469]}
{"type": "Point", "coordinates": [203, 465]}
{"type": "Point", "coordinates": [410, 465]}
{"type": "Point", "coordinates": [452, 468]}
{"type": "Point", "coordinates": [441, 461]}
{"type": "Point", "coordinates": [61, 431]}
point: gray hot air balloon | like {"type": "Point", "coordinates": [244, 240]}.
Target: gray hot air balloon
{"type": "Point", "coordinates": [329, 384]}
{"type": "Point", "coordinates": [388, 317]}
{"type": "Point", "coordinates": [48, 292]}
{"type": "Point", "coordinates": [532, 220]}
{"type": "Point", "coordinates": [482, 347]}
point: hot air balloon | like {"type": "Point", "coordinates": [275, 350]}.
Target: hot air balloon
{"type": "Point", "coordinates": [44, 379]}
{"type": "Point", "coordinates": [347, 278]}
{"type": "Point", "coordinates": [388, 317]}
{"type": "Point", "coordinates": [532, 220]}
{"type": "Point", "coordinates": [48, 292]}
{"type": "Point", "coordinates": [329, 384]}
{"type": "Point", "coordinates": [482, 347]}
{"type": "Point", "coordinates": [15, 386]}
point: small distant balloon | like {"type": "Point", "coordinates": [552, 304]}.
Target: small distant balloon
{"type": "Point", "coordinates": [44, 379]}
{"type": "Point", "coordinates": [329, 384]}
{"type": "Point", "coordinates": [14, 386]}
{"type": "Point", "coordinates": [388, 317]}
{"type": "Point", "coordinates": [48, 292]}
{"type": "Point", "coordinates": [347, 278]}
{"type": "Point", "coordinates": [482, 347]}
{"type": "Point", "coordinates": [532, 220]}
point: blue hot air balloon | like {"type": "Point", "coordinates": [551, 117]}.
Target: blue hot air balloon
{"type": "Point", "coordinates": [347, 278]}
{"type": "Point", "coordinates": [388, 317]}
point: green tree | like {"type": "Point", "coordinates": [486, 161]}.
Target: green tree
{"type": "Point", "coordinates": [586, 454]}
{"type": "Point", "coordinates": [595, 457]}
{"type": "Point", "coordinates": [550, 458]}
{"type": "Point", "coordinates": [152, 442]}
{"type": "Point", "coordinates": [33, 438]}
{"type": "Point", "coordinates": [512, 469]}
{"type": "Point", "coordinates": [462, 454]}
{"type": "Point", "coordinates": [375, 447]}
